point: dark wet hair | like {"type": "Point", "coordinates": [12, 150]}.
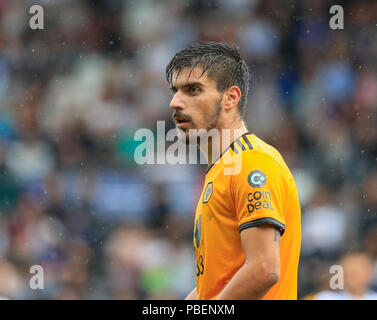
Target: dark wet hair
{"type": "Point", "coordinates": [222, 61]}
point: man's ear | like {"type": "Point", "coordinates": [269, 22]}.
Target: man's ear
{"type": "Point", "coordinates": [232, 97]}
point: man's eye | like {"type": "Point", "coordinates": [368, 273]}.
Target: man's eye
{"type": "Point", "coordinates": [194, 90]}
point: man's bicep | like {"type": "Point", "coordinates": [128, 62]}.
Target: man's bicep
{"type": "Point", "coordinates": [261, 245]}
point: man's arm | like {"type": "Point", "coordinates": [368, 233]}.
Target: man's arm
{"type": "Point", "coordinates": [192, 295]}
{"type": "Point", "coordinates": [261, 270]}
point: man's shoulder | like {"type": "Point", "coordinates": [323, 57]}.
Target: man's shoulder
{"type": "Point", "coordinates": [261, 153]}
{"type": "Point", "coordinates": [249, 153]}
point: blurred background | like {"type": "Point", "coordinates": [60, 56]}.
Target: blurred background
{"type": "Point", "coordinates": [72, 95]}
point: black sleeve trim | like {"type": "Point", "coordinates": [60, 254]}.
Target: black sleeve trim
{"type": "Point", "coordinates": [260, 221]}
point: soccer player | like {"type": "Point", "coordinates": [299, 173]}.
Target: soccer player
{"type": "Point", "coordinates": [247, 230]}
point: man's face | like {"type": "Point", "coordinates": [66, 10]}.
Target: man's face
{"type": "Point", "coordinates": [196, 101]}
{"type": "Point", "coordinates": [357, 273]}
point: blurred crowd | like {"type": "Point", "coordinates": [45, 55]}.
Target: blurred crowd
{"type": "Point", "coordinates": [72, 95]}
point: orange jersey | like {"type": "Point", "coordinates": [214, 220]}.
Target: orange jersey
{"type": "Point", "coordinates": [259, 190]}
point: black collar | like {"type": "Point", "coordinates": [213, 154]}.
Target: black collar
{"type": "Point", "coordinates": [211, 165]}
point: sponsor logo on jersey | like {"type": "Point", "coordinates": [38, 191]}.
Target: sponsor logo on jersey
{"type": "Point", "coordinates": [259, 200]}
{"type": "Point", "coordinates": [257, 179]}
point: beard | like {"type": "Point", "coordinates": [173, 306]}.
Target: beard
{"type": "Point", "coordinates": [193, 135]}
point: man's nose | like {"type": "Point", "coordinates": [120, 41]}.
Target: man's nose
{"type": "Point", "coordinates": [177, 101]}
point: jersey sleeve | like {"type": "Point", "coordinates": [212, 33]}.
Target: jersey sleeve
{"type": "Point", "coordinates": [258, 192]}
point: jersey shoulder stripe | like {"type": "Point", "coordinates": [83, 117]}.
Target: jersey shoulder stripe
{"type": "Point", "coordinates": [237, 146]}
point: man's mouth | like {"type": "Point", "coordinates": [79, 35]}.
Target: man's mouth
{"type": "Point", "coordinates": [181, 122]}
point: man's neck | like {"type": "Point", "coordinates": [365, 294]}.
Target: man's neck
{"type": "Point", "coordinates": [226, 137]}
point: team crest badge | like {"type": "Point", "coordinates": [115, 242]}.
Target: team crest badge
{"type": "Point", "coordinates": [208, 192]}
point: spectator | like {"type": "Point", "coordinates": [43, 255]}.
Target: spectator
{"type": "Point", "coordinates": [358, 269]}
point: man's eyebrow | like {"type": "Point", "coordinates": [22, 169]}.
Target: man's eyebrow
{"type": "Point", "coordinates": [186, 85]}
